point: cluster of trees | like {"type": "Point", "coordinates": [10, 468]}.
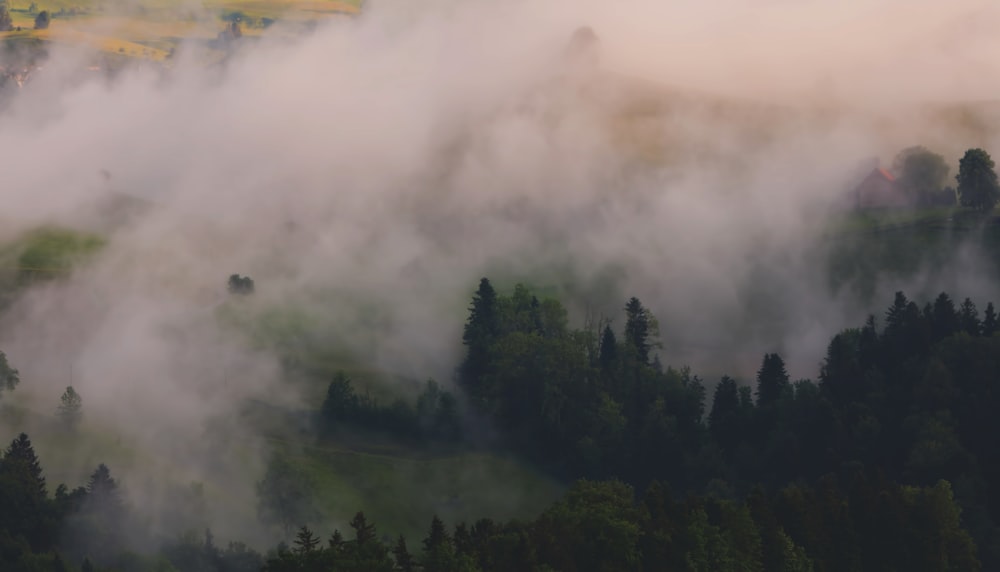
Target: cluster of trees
{"type": "Point", "coordinates": [923, 174]}
{"type": "Point", "coordinates": [241, 285]}
{"type": "Point", "coordinates": [46, 532]}
{"type": "Point", "coordinates": [914, 400]}
{"type": "Point", "coordinates": [434, 418]}
{"type": "Point", "coordinates": [862, 523]}
{"type": "Point", "coordinates": [887, 461]}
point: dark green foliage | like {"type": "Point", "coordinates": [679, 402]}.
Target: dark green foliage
{"type": "Point", "coordinates": [772, 380]}
{"type": "Point", "coordinates": [305, 540]}
{"type": "Point", "coordinates": [640, 328]}
{"type": "Point", "coordinates": [480, 332]}
{"type": "Point", "coordinates": [404, 560]}
{"type": "Point", "coordinates": [977, 181]}
{"type": "Point", "coordinates": [968, 318]}
{"type": "Point", "coordinates": [990, 321]}
{"type": "Point", "coordinates": [922, 173]}
{"type": "Point", "coordinates": [9, 377]}
{"type": "Point", "coordinates": [435, 418]}
{"type": "Point", "coordinates": [242, 285]}
{"type": "Point", "coordinates": [42, 20]}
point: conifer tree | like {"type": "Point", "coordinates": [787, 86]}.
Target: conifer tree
{"type": "Point", "coordinates": [990, 325]}
{"type": "Point", "coordinates": [22, 452]}
{"type": "Point", "coordinates": [404, 560]}
{"type": "Point", "coordinates": [305, 540]}
{"type": "Point", "coordinates": [772, 380]}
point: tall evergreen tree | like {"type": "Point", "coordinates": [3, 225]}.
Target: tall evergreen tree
{"type": "Point", "coordinates": [772, 380]}
{"type": "Point", "coordinates": [723, 420]}
{"type": "Point", "coordinates": [944, 319]}
{"type": "Point", "coordinates": [9, 377]}
{"type": "Point", "coordinates": [639, 329]}
{"type": "Point", "coordinates": [364, 533]}
{"type": "Point", "coordinates": [305, 540]}
{"type": "Point", "coordinates": [968, 317]}
{"type": "Point", "coordinates": [70, 409]}
{"type": "Point", "coordinates": [21, 451]}
{"type": "Point", "coordinates": [404, 560]}
{"type": "Point", "coordinates": [609, 349]}
{"type": "Point", "coordinates": [480, 332]}
{"type": "Point", "coordinates": [990, 325]}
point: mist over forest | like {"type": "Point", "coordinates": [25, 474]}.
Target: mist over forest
{"type": "Point", "coordinates": [248, 254]}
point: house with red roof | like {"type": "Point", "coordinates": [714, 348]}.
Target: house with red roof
{"type": "Point", "coordinates": [880, 189]}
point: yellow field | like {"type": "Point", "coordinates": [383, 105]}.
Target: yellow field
{"type": "Point", "coordinates": [150, 29]}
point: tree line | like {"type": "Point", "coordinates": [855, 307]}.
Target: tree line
{"type": "Point", "coordinates": [886, 461]}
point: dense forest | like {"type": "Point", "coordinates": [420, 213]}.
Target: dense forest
{"type": "Point", "coordinates": [888, 461]}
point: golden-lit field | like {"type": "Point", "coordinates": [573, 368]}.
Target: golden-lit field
{"type": "Point", "coordinates": [152, 28]}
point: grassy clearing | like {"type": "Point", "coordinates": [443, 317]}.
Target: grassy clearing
{"type": "Point", "coordinates": [401, 492]}
{"type": "Point", "coordinates": [150, 29]}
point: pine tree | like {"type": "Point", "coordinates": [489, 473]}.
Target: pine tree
{"type": "Point", "coordinates": [944, 319]}
{"type": "Point", "coordinates": [70, 408]}
{"type": "Point", "coordinates": [363, 532]}
{"type": "Point", "coordinates": [723, 420]}
{"type": "Point", "coordinates": [404, 560]}
{"type": "Point", "coordinates": [772, 380]}
{"type": "Point", "coordinates": [86, 566]}
{"type": "Point", "coordinates": [437, 536]}
{"type": "Point", "coordinates": [480, 332]}
{"type": "Point", "coordinates": [639, 329]}
{"type": "Point", "coordinates": [968, 317]}
{"type": "Point", "coordinates": [336, 542]}
{"type": "Point", "coordinates": [990, 325]}
{"type": "Point", "coordinates": [305, 540]}
{"type": "Point", "coordinates": [21, 451]}
{"type": "Point", "coordinates": [9, 377]}
{"type": "Point", "coordinates": [609, 349]}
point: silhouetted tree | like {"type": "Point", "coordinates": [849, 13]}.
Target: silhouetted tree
{"type": "Point", "coordinates": [242, 285]}
{"type": "Point", "coordinates": [609, 349]}
{"type": "Point", "coordinates": [305, 540]}
{"type": "Point", "coordinates": [921, 172]}
{"type": "Point", "coordinates": [968, 317]}
{"type": "Point", "coordinates": [22, 452]}
{"type": "Point", "coordinates": [480, 332]}
{"type": "Point", "coordinates": [9, 377]}
{"type": "Point", "coordinates": [404, 560]}
{"type": "Point", "coordinates": [977, 181]}
{"type": "Point", "coordinates": [772, 380]}
{"type": "Point", "coordinates": [640, 327]}
{"type": "Point", "coordinates": [724, 419]}
{"type": "Point", "coordinates": [42, 20]}
{"type": "Point", "coordinates": [989, 321]}
{"type": "Point", "coordinates": [70, 409]}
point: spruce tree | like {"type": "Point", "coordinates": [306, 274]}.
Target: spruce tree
{"type": "Point", "coordinates": [404, 560]}
{"type": "Point", "coordinates": [990, 321]}
{"type": "Point", "coordinates": [305, 540]}
{"type": "Point", "coordinates": [480, 332]}
{"type": "Point", "coordinates": [772, 380]}
{"type": "Point", "coordinates": [22, 452]}
{"type": "Point", "coordinates": [968, 317]}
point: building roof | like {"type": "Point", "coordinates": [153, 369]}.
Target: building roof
{"type": "Point", "coordinates": [885, 174]}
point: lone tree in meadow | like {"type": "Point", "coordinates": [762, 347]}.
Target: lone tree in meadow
{"type": "Point", "coordinates": [977, 181]}
{"type": "Point", "coordinates": [70, 408]}
{"type": "Point", "coordinates": [42, 20]}
{"type": "Point", "coordinates": [240, 284]}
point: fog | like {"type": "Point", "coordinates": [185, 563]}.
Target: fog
{"type": "Point", "coordinates": [366, 175]}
